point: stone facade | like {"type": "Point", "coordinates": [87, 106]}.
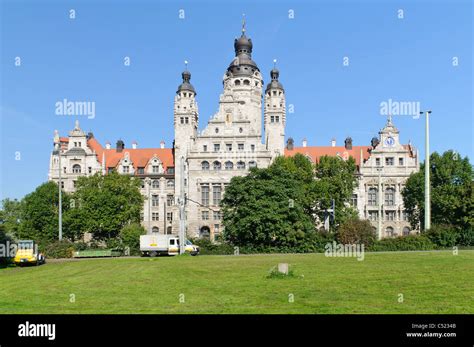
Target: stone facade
{"type": "Point", "coordinates": [202, 163]}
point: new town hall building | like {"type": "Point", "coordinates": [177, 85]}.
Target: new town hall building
{"type": "Point", "coordinates": [203, 163]}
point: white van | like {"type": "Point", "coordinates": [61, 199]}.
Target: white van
{"type": "Point", "coordinates": [155, 244]}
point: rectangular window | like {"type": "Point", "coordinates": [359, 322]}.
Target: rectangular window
{"type": "Point", "coordinates": [354, 200]}
{"type": "Point", "coordinates": [170, 200]}
{"type": "Point", "coordinates": [62, 184]}
{"type": "Point", "coordinates": [182, 120]}
{"type": "Point", "coordinates": [252, 148]}
{"type": "Point", "coordinates": [142, 217]}
{"type": "Point", "coordinates": [154, 200]}
{"type": "Point", "coordinates": [169, 216]}
{"type": "Point", "coordinates": [390, 215]}
{"type": "Point", "coordinates": [216, 194]}
{"type": "Point", "coordinates": [186, 120]}
{"type": "Point", "coordinates": [126, 169]}
{"type": "Point", "coordinates": [141, 170]}
{"type": "Point", "coordinates": [373, 215]}
{"type": "Point", "coordinates": [377, 161]}
{"type": "Point", "coordinates": [228, 147]}
{"type": "Point", "coordinates": [90, 169]}
{"type": "Point", "coordinates": [240, 146]}
{"type": "Point", "coordinates": [400, 161]}
{"type": "Point", "coordinates": [217, 147]}
{"type": "Point", "coordinates": [216, 229]}
{"type": "Point", "coordinates": [217, 215]}
{"type": "Point", "coordinates": [389, 161]}
{"type": "Point", "coordinates": [204, 148]}
{"type": "Point", "coordinates": [205, 215]}
{"type": "Point", "coordinates": [205, 195]}
{"type": "Point", "coordinates": [272, 119]}
{"type": "Point", "coordinates": [155, 216]}
{"type": "Point", "coordinates": [156, 169]}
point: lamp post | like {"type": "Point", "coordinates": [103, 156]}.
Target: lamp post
{"type": "Point", "coordinates": [60, 207]}
{"type": "Point", "coordinates": [427, 170]}
{"type": "Point", "coordinates": [182, 203]}
{"type": "Point", "coordinates": [379, 200]}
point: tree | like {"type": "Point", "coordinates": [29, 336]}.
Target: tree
{"type": "Point", "coordinates": [39, 213]}
{"type": "Point", "coordinates": [11, 216]}
{"type": "Point", "coordinates": [108, 203]}
{"type": "Point", "coordinates": [335, 180]}
{"type": "Point", "coordinates": [452, 192]}
{"type": "Point", "coordinates": [268, 207]}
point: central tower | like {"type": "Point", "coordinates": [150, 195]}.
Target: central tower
{"type": "Point", "coordinates": [243, 86]}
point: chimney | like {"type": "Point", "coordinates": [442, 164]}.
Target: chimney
{"type": "Point", "coordinates": [289, 144]}
{"type": "Point", "coordinates": [333, 142]}
{"type": "Point", "coordinates": [120, 146]}
{"type": "Point", "coordinates": [134, 145]}
{"type": "Point", "coordinates": [107, 145]}
{"type": "Point", "coordinates": [162, 144]}
{"type": "Point", "coordinates": [348, 143]}
{"type": "Point", "coordinates": [305, 142]}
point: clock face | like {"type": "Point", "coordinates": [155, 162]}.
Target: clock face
{"type": "Point", "coordinates": [389, 141]}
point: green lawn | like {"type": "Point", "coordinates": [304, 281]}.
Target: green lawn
{"type": "Point", "coordinates": [431, 282]}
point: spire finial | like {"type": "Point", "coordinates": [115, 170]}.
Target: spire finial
{"type": "Point", "coordinates": [186, 65]}
{"type": "Point", "coordinates": [76, 126]}
{"type": "Point", "coordinates": [243, 24]}
{"type": "Point", "coordinates": [274, 63]}
{"type": "Point", "coordinates": [389, 119]}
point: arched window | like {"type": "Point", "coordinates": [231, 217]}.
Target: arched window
{"type": "Point", "coordinates": [389, 231]}
{"type": "Point", "coordinates": [406, 231]}
{"type": "Point", "coordinates": [229, 165]}
{"type": "Point", "coordinates": [246, 82]}
{"type": "Point", "coordinates": [237, 82]}
{"type": "Point", "coordinates": [76, 169]}
{"type": "Point", "coordinates": [155, 230]}
{"type": "Point", "coordinates": [205, 165]}
{"type": "Point", "coordinates": [390, 196]}
{"type": "Point", "coordinates": [170, 183]}
{"type": "Point", "coordinates": [252, 164]}
{"type": "Point", "coordinates": [216, 165]}
{"type": "Point", "coordinates": [240, 165]}
{"type": "Point", "coordinates": [168, 230]}
{"type": "Point", "coordinates": [373, 197]}
{"type": "Point", "coordinates": [155, 184]}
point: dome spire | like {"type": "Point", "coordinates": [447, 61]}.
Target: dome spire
{"type": "Point", "coordinates": [186, 85]}
{"type": "Point", "coordinates": [243, 24]}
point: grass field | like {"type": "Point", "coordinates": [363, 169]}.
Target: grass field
{"type": "Point", "coordinates": [430, 282]}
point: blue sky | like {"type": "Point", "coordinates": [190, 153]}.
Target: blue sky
{"type": "Point", "coordinates": [409, 59]}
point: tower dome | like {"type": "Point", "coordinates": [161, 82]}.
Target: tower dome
{"type": "Point", "coordinates": [274, 84]}
{"type": "Point", "coordinates": [243, 65]}
{"type": "Point", "coordinates": [186, 85]}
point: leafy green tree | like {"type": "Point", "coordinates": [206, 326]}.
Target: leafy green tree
{"type": "Point", "coordinates": [452, 192]}
{"type": "Point", "coordinates": [335, 180]}
{"type": "Point", "coordinates": [11, 216]}
{"type": "Point", "coordinates": [268, 207]}
{"type": "Point", "coordinates": [108, 203]}
{"type": "Point", "coordinates": [39, 213]}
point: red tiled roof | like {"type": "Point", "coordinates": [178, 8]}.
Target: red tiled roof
{"type": "Point", "coordinates": [139, 157]}
{"type": "Point", "coordinates": [317, 152]}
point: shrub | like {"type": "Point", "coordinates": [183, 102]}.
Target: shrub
{"type": "Point", "coordinates": [466, 237]}
{"type": "Point", "coordinates": [130, 237]}
{"type": "Point", "coordinates": [207, 247]}
{"type": "Point", "coordinates": [356, 231]}
{"type": "Point", "coordinates": [443, 235]}
{"type": "Point", "coordinates": [59, 249]}
{"type": "Point", "coordinates": [403, 243]}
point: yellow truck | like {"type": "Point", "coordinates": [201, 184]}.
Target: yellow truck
{"type": "Point", "coordinates": [27, 253]}
{"type": "Point", "coordinates": [155, 244]}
